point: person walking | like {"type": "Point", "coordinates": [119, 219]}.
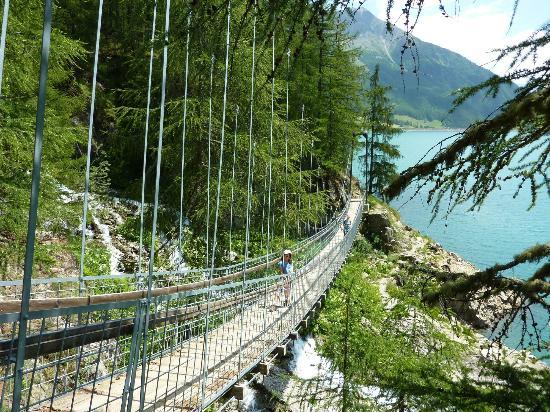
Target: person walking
{"type": "Point", "coordinates": [286, 268]}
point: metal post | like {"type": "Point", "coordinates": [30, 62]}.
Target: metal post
{"type": "Point", "coordinates": [3, 40]}
{"type": "Point", "coordinates": [33, 209]}
{"type": "Point", "coordinates": [135, 345]}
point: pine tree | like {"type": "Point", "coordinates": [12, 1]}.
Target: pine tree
{"type": "Point", "coordinates": [64, 133]}
{"type": "Point", "coordinates": [379, 151]}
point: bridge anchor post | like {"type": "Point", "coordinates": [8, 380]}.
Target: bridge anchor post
{"type": "Point", "coordinates": [263, 368]}
{"type": "Point", "coordinates": [282, 350]}
{"type": "Point", "coordinates": [238, 391]}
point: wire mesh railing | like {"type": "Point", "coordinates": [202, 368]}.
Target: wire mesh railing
{"type": "Point", "coordinates": [86, 353]}
{"type": "Point", "coordinates": [153, 339]}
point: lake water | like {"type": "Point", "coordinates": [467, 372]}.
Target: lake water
{"type": "Point", "coordinates": [502, 227]}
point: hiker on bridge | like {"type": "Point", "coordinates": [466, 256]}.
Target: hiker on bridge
{"type": "Point", "coordinates": [346, 225]}
{"type": "Point", "coordinates": [286, 268]}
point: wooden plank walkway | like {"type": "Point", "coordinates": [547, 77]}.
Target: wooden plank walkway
{"type": "Point", "coordinates": [175, 381]}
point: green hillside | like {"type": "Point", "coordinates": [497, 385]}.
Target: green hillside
{"type": "Point", "coordinates": [428, 97]}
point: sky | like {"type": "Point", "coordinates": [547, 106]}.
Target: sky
{"type": "Point", "coordinates": [474, 27]}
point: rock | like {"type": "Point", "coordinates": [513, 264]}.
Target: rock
{"type": "Point", "coordinates": [377, 224]}
{"type": "Point", "coordinates": [233, 256]}
{"type": "Point", "coordinates": [435, 247]}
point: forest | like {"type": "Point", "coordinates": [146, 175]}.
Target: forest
{"type": "Point", "coordinates": [229, 129]}
{"type": "Point", "coordinates": [297, 129]}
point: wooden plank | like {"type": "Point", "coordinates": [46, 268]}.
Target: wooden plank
{"type": "Point", "coordinates": [175, 380]}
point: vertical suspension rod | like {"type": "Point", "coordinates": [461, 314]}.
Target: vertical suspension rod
{"type": "Point", "coordinates": [155, 207]}
{"type": "Point", "coordinates": [214, 237]}
{"type": "Point", "coordinates": [212, 61]}
{"type": "Point", "coordinates": [33, 208]}
{"type": "Point", "coordinates": [300, 175]}
{"type": "Point", "coordinates": [269, 169]}
{"type": "Point", "coordinates": [89, 152]}
{"type": "Point", "coordinates": [286, 144]}
{"type": "Point", "coordinates": [233, 179]}
{"type": "Point", "coordinates": [271, 145]}
{"type": "Point", "coordinates": [310, 183]}
{"type": "Point", "coordinates": [249, 185]}
{"type": "Point", "coordinates": [145, 142]}
{"type": "Point", "coordinates": [184, 131]}
{"type": "Point", "coordinates": [5, 16]}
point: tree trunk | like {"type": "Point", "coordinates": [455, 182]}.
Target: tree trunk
{"type": "Point", "coordinates": [345, 391]}
{"type": "Point", "coordinates": [369, 191]}
{"type": "Point", "coordinates": [366, 162]}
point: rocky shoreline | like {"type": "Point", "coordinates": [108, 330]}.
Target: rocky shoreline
{"type": "Point", "coordinates": [411, 247]}
{"type": "Point", "coordinates": [286, 390]}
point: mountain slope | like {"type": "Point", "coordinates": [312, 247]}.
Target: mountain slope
{"type": "Point", "coordinates": [427, 97]}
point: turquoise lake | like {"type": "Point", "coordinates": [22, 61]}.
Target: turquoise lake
{"type": "Point", "coordinates": [493, 234]}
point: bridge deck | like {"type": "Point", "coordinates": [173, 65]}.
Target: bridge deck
{"type": "Point", "coordinates": [234, 344]}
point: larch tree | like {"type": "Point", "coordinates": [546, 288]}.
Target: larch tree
{"type": "Point", "coordinates": [379, 151]}
{"type": "Point", "coordinates": [512, 144]}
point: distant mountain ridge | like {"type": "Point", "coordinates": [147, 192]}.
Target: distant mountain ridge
{"type": "Point", "coordinates": [428, 97]}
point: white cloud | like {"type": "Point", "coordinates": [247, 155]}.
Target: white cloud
{"type": "Point", "coordinates": [473, 29]}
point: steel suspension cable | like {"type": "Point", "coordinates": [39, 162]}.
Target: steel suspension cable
{"type": "Point", "coordinates": [180, 235]}
{"type": "Point", "coordinates": [214, 237]}
{"type": "Point", "coordinates": [89, 152]}
{"type": "Point", "coordinates": [300, 174]}
{"type": "Point", "coordinates": [323, 209]}
{"type": "Point", "coordinates": [265, 190]}
{"type": "Point", "coordinates": [318, 207]}
{"type": "Point", "coordinates": [5, 16]}
{"type": "Point", "coordinates": [286, 145]}
{"type": "Point", "coordinates": [212, 61]}
{"type": "Point", "coordinates": [33, 207]}
{"type": "Point", "coordinates": [263, 209]}
{"type": "Point", "coordinates": [155, 206]}
{"type": "Point", "coordinates": [310, 185]}
{"type": "Point", "coordinates": [271, 144]}
{"type": "Point", "coordinates": [233, 179]}
{"type": "Point", "coordinates": [252, 174]}
{"type": "Point", "coordinates": [145, 142]}
{"type": "Point", "coordinates": [249, 185]}
{"type": "Point", "coordinates": [269, 167]}
{"type": "Point", "coordinates": [81, 285]}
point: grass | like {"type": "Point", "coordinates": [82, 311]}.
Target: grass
{"type": "Point", "coordinates": [374, 201]}
{"type": "Point", "coordinates": [411, 122]}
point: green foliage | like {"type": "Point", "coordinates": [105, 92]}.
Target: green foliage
{"type": "Point", "coordinates": [323, 77]}
{"type": "Point", "coordinates": [96, 260]}
{"type": "Point", "coordinates": [130, 228]}
{"type": "Point", "coordinates": [371, 346]}
{"type": "Point", "coordinates": [379, 154]}
{"type": "Point", "coordinates": [64, 132]}
{"type": "Point", "coordinates": [404, 351]}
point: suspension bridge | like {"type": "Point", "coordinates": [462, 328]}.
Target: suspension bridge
{"type": "Point", "coordinates": [163, 339]}
{"type": "Point", "coordinates": [84, 354]}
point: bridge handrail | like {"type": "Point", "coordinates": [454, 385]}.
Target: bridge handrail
{"type": "Point", "coordinates": [14, 305]}
{"type": "Point", "coordinates": [227, 269]}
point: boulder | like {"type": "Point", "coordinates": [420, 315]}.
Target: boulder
{"type": "Point", "coordinates": [377, 224]}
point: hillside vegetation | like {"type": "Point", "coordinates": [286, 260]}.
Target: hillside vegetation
{"type": "Point", "coordinates": [312, 85]}
{"type": "Point", "coordinates": [389, 350]}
